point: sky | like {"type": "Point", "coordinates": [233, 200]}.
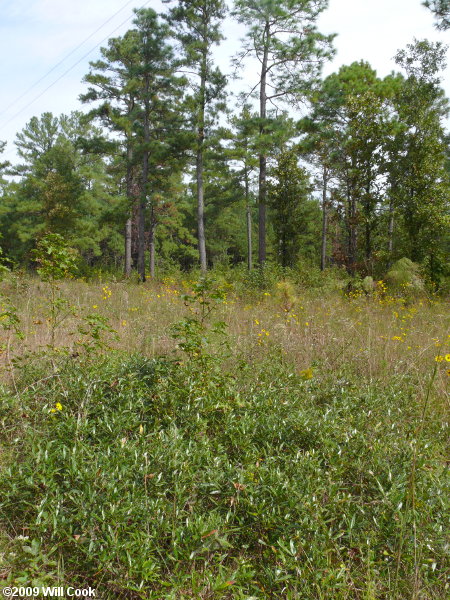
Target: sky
{"type": "Point", "coordinates": [46, 46]}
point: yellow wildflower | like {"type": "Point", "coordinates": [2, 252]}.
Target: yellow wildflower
{"type": "Point", "coordinates": [307, 374]}
{"type": "Point", "coordinates": [438, 358]}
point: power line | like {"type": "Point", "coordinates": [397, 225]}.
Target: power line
{"type": "Point", "coordinates": [68, 70]}
{"type": "Point", "coordinates": [63, 60]}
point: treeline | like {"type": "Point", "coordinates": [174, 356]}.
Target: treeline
{"type": "Point", "coordinates": [168, 169]}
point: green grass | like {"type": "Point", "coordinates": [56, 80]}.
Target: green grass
{"type": "Point", "coordinates": [224, 473]}
{"type": "Point", "coordinates": [158, 481]}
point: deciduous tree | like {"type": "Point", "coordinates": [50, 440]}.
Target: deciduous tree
{"type": "Point", "coordinates": [421, 180]}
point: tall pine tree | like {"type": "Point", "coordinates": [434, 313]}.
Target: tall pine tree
{"type": "Point", "coordinates": [283, 38]}
{"type": "Point", "coordinates": [197, 24]}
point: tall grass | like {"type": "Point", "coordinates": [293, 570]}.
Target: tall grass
{"type": "Point", "coordinates": [376, 336]}
{"type": "Point", "coordinates": [302, 455]}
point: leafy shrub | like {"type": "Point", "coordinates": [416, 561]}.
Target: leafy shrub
{"type": "Point", "coordinates": [147, 480]}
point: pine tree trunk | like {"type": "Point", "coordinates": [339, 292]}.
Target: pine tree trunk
{"type": "Point", "coordinates": [352, 233]}
{"type": "Point", "coordinates": [130, 199]}
{"type": "Point", "coordinates": [152, 243]}
{"type": "Point", "coordinates": [199, 169]}
{"type": "Point", "coordinates": [368, 241]}
{"type": "Point", "coordinates": [353, 236]}
{"type": "Point", "coordinates": [368, 228]}
{"type": "Point", "coordinates": [201, 212]}
{"type": "Point", "coordinates": [141, 238]}
{"type": "Point", "coordinates": [128, 231]}
{"type": "Point", "coordinates": [262, 192]}
{"type": "Point", "coordinates": [249, 238]}
{"type": "Point", "coordinates": [143, 200]}
{"type": "Point", "coordinates": [323, 254]}
{"type": "Point", "coordinates": [350, 251]}
{"type": "Point", "coordinates": [391, 232]}
{"type": "Point", "coordinates": [249, 220]}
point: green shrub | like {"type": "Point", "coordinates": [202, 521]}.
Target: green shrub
{"type": "Point", "coordinates": [148, 480]}
{"type": "Point", "coordinates": [404, 278]}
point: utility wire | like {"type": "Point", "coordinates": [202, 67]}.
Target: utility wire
{"type": "Point", "coordinates": [68, 70]}
{"type": "Point", "coordinates": [63, 59]}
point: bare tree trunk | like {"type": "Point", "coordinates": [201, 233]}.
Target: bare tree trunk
{"type": "Point", "coordinates": [199, 168]}
{"type": "Point", "coordinates": [353, 237]}
{"type": "Point", "coordinates": [249, 238]}
{"type": "Point", "coordinates": [262, 210]}
{"type": "Point", "coordinates": [143, 199]}
{"type": "Point", "coordinates": [391, 231]}
{"type": "Point", "coordinates": [128, 231]}
{"type": "Point", "coordinates": [201, 212]}
{"type": "Point", "coordinates": [352, 233]}
{"type": "Point", "coordinates": [128, 225]}
{"type": "Point", "coordinates": [368, 229]}
{"type": "Point", "coordinates": [152, 242]}
{"type": "Point", "coordinates": [368, 241]}
{"type": "Point", "coordinates": [323, 254]}
{"type": "Point", "coordinates": [249, 220]}
{"type": "Point", "coordinates": [262, 195]}
{"type": "Point", "coordinates": [141, 238]}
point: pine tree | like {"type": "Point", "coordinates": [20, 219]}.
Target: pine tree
{"type": "Point", "coordinates": [282, 36]}
{"type": "Point", "coordinates": [3, 166]}
{"type": "Point", "coordinates": [110, 84]}
{"type": "Point", "coordinates": [441, 10]}
{"type": "Point", "coordinates": [294, 212]}
{"type": "Point", "coordinates": [141, 100]}
{"type": "Point", "coordinates": [36, 139]}
{"type": "Point", "coordinates": [197, 25]}
{"type": "Point", "coordinates": [62, 189]}
{"type": "Point", "coordinates": [243, 152]}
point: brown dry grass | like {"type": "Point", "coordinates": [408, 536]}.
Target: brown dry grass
{"type": "Point", "coordinates": [377, 337]}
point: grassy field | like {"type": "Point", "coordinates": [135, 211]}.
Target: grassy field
{"type": "Point", "coordinates": [224, 442]}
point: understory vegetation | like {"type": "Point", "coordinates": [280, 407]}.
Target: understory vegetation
{"type": "Point", "coordinates": [245, 437]}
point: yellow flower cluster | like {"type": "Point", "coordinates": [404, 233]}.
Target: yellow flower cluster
{"type": "Point", "coordinates": [262, 335]}
{"type": "Point", "coordinates": [442, 358]}
{"type": "Point", "coordinates": [58, 406]}
{"type": "Point", "coordinates": [307, 374]}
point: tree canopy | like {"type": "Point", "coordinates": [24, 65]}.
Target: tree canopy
{"type": "Point", "coordinates": [170, 169]}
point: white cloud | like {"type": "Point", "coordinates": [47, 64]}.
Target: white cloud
{"type": "Point", "coordinates": [373, 30]}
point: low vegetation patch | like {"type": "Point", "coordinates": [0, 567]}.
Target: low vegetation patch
{"type": "Point", "coordinates": [234, 464]}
